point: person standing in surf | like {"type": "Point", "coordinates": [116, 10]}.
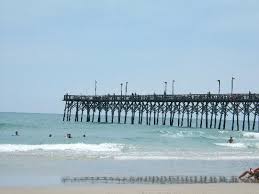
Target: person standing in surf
{"type": "Point", "coordinates": [230, 140]}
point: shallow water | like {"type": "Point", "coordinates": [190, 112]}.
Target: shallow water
{"type": "Point", "coordinates": [116, 149]}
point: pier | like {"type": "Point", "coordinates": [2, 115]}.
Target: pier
{"type": "Point", "coordinates": [190, 110]}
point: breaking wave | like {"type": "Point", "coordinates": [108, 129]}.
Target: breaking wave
{"type": "Point", "coordinates": [232, 145]}
{"type": "Point", "coordinates": [77, 147]}
{"type": "Point", "coordinates": [239, 145]}
{"type": "Point", "coordinates": [124, 152]}
{"type": "Point", "coordinates": [181, 134]}
{"type": "Point", "coordinates": [251, 135]}
{"type": "Point", "coordinates": [155, 157]}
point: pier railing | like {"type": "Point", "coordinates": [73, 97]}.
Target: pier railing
{"type": "Point", "coordinates": [187, 110]}
{"type": "Point", "coordinates": [167, 98]}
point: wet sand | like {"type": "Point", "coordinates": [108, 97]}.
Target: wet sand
{"type": "Point", "coordinates": [235, 188]}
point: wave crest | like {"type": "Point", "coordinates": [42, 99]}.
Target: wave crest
{"type": "Point", "coordinates": [233, 145]}
{"type": "Point", "coordinates": [239, 145]}
{"type": "Point", "coordinates": [252, 135]}
{"type": "Point", "coordinates": [181, 134]}
{"type": "Point", "coordinates": [79, 147]}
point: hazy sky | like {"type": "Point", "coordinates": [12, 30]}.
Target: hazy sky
{"type": "Point", "coordinates": [51, 47]}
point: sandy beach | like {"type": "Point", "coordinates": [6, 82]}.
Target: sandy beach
{"type": "Point", "coordinates": [238, 188]}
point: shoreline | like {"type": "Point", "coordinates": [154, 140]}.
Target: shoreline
{"type": "Point", "coordinates": [237, 188]}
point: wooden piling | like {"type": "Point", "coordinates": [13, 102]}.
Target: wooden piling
{"type": "Point", "coordinates": [244, 116]}
{"type": "Point", "coordinates": [82, 114]}
{"type": "Point", "coordinates": [154, 116]}
{"type": "Point", "coordinates": [76, 115]}
{"type": "Point", "coordinates": [233, 115]}
{"type": "Point", "coordinates": [65, 109]}
{"type": "Point", "coordinates": [179, 112]}
{"type": "Point", "coordinates": [215, 115]}
{"type": "Point", "coordinates": [99, 116]}
{"type": "Point", "coordinates": [157, 117]}
{"type": "Point", "coordinates": [254, 118]}
{"type": "Point", "coordinates": [192, 109]}
{"type": "Point", "coordinates": [197, 114]}
{"type": "Point", "coordinates": [188, 114]}
{"type": "Point", "coordinates": [113, 110]}
{"type": "Point", "coordinates": [225, 116]}
{"type": "Point", "coordinates": [183, 111]}
{"type": "Point", "coordinates": [174, 109]}
{"type": "Point", "coordinates": [237, 116]}
{"type": "Point", "coordinates": [150, 113]}
{"type": "Point", "coordinates": [93, 115]}
{"type": "Point", "coordinates": [248, 116]}
{"type": "Point", "coordinates": [221, 113]}
{"type": "Point", "coordinates": [202, 111]}
{"type": "Point", "coordinates": [68, 110]}
{"type": "Point", "coordinates": [211, 114]}
{"type": "Point", "coordinates": [206, 112]}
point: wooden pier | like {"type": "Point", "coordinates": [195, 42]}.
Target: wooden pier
{"type": "Point", "coordinates": [191, 110]}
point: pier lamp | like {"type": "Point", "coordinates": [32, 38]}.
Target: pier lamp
{"type": "Point", "coordinates": [165, 87]}
{"type": "Point", "coordinates": [173, 87]}
{"type": "Point", "coordinates": [126, 88]}
{"type": "Point", "coordinates": [232, 84]}
{"type": "Point", "coordinates": [121, 88]}
{"type": "Point", "coordinates": [95, 87]}
{"type": "Point", "coordinates": [219, 86]}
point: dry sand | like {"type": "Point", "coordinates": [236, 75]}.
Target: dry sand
{"type": "Point", "coordinates": [237, 188]}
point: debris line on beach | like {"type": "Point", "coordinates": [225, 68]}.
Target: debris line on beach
{"type": "Point", "coordinates": [152, 180]}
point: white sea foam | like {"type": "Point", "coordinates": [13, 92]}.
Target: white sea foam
{"type": "Point", "coordinates": [181, 134]}
{"type": "Point", "coordinates": [222, 132]}
{"type": "Point", "coordinates": [80, 147]}
{"type": "Point", "coordinates": [163, 157]}
{"type": "Point", "coordinates": [233, 145]}
{"type": "Point", "coordinates": [252, 135]}
{"type": "Point", "coordinates": [117, 152]}
{"type": "Point", "coordinates": [147, 157]}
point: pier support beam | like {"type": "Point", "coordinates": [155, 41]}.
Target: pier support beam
{"type": "Point", "coordinates": [82, 114]}
{"type": "Point", "coordinates": [254, 117]}
{"type": "Point", "coordinates": [65, 109]}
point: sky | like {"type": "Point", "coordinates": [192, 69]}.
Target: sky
{"type": "Point", "coordinates": [51, 47]}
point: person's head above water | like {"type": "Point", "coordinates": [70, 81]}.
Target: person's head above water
{"type": "Point", "coordinates": [230, 140]}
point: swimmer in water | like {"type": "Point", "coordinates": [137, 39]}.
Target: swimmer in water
{"type": "Point", "coordinates": [230, 140]}
{"type": "Point", "coordinates": [16, 133]}
{"type": "Point", "coordinates": [68, 135]}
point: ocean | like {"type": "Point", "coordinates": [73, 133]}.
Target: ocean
{"type": "Point", "coordinates": [34, 158]}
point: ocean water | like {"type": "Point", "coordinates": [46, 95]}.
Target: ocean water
{"type": "Point", "coordinates": [115, 150]}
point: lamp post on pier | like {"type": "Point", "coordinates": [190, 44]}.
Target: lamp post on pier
{"type": "Point", "coordinates": [219, 86]}
{"type": "Point", "coordinates": [165, 88]}
{"type": "Point", "coordinates": [173, 87]}
{"type": "Point", "coordinates": [95, 87]}
{"type": "Point", "coordinates": [232, 84]}
{"type": "Point", "coordinates": [121, 88]}
{"type": "Point", "coordinates": [126, 88]}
